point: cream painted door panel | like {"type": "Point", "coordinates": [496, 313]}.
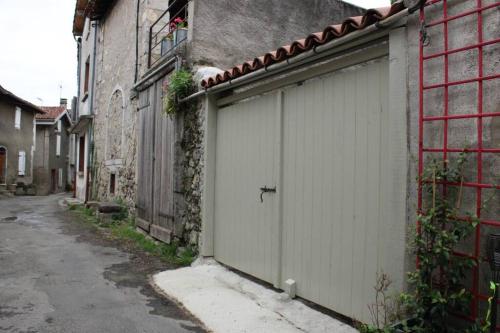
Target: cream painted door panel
{"type": "Point", "coordinates": [245, 162]}
{"type": "Point", "coordinates": [338, 188]}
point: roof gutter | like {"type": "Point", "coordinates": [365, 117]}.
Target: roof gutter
{"type": "Point", "coordinates": [301, 59]}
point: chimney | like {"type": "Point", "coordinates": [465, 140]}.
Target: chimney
{"type": "Point", "coordinates": [64, 102]}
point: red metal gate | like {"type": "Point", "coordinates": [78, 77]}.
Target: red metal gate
{"type": "Point", "coordinates": [436, 16]}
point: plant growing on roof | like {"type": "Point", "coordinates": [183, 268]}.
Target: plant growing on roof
{"type": "Point", "coordinates": [180, 85]}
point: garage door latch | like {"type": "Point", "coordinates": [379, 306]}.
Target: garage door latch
{"type": "Point", "coordinates": [266, 189]}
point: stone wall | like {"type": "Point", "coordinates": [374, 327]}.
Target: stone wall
{"type": "Point", "coordinates": [115, 137]}
{"type": "Point", "coordinates": [192, 145]}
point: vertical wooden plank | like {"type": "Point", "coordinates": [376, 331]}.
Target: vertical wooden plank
{"type": "Point", "coordinates": [277, 255]}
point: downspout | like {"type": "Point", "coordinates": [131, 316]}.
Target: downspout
{"type": "Point", "coordinates": [137, 42]}
{"type": "Point", "coordinates": [76, 113]}
{"type": "Point", "coordinates": [90, 153]}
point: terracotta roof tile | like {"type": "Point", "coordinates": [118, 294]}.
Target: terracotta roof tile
{"type": "Point", "coordinates": [330, 33]}
{"type": "Point", "coordinates": [51, 112]}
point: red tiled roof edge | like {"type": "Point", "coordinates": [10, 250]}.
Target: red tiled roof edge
{"type": "Point", "coordinates": [330, 33]}
{"type": "Point", "coordinates": [51, 112]}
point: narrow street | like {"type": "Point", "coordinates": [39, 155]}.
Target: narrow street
{"type": "Point", "coordinates": [56, 275]}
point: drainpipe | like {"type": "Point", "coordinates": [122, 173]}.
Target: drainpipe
{"type": "Point", "coordinates": [90, 152]}
{"type": "Point", "coordinates": [137, 42]}
{"type": "Point", "coordinates": [76, 112]}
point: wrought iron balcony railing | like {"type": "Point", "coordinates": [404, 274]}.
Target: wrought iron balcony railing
{"type": "Point", "coordinates": [168, 31]}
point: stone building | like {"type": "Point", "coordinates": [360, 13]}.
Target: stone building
{"type": "Point", "coordinates": [17, 138]}
{"type": "Point", "coordinates": [53, 170]}
{"type": "Point", "coordinates": [138, 154]}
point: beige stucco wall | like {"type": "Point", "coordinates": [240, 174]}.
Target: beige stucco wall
{"type": "Point", "coordinates": [15, 140]}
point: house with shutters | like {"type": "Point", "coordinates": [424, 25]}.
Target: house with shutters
{"type": "Point", "coordinates": [53, 168]}
{"type": "Point", "coordinates": [17, 139]}
{"type": "Point", "coordinates": [128, 148]}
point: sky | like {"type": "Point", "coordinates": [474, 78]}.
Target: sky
{"type": "Point", "coordinates": [38, 50]}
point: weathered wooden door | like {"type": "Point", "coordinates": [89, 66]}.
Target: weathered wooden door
{"type": "Point", "coordinates": [53, 181]}
{"type": "Point", "coordinates": [3, 165]}
{"type": "Point", "coordinates": [155, 202]}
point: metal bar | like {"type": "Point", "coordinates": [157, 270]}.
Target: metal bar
{"type": "Point", "coordinates": [462, 116]}
{"type": "Point", "coordinates": [468, 184]}
{"type": "Point", "coordinates": [454, 83]}
{"type": "Point", "coordinates": [420, 118]}
{"type": "Point", "coordinates": [466, 13]}
{"type": "Point", "coordinates": [164, 13]}
{"type": "Point", "coordinates": [480, 73]}
{"type": "Point", "coordinates": [460, 150]}
{"type": "Point", "coordinates": [461, 49]}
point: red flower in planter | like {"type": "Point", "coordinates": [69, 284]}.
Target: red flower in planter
{"type": "Point", "coordinates": [178, 22]}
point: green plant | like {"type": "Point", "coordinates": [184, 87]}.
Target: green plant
{"type": "Point", "coordinates": [437, 283]}
{"type": "Point", "coordinates": [479, 327]}
{"type": "Point", "coordinates": [386, 309]}
{"type": "Point", "coordinates": [180, 85]}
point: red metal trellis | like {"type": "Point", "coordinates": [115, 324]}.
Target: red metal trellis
{"type": "Point", "coordinates": [477, 114]}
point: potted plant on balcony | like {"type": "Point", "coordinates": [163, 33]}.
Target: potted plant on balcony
{"type": "Point", "coordinates": [167, 43]}
{"type": "Point", "coordinates": [179, 29]}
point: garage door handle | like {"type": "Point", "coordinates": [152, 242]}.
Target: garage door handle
{"type": "Point", "coordinates": [266, 189]}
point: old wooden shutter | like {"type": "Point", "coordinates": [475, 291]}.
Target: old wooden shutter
{"type": "Point", "coordinates": [22, 162]}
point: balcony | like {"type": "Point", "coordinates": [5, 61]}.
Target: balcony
{"type": "Point", "coordinates": [168, 32]}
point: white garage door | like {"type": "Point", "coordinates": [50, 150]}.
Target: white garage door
{"type": "Point", "coordinates": [338, 199]}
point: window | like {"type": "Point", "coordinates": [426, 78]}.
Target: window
{"type": "Point", "coordinates": [22, 163]}
{"type": "Point", "coordinates": [81, 155]}
{"type": "Point", "coordinates": [58, 139]}
{"type": "Point", "coordinates": [17, 121]}
{"type": "Point", "coordinates": [86, 76]}
{"type": "Point", "coordinates": [112, 183]}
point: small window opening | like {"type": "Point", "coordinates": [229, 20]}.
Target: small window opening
{"type": "Point", "coordinates": [112, 183]}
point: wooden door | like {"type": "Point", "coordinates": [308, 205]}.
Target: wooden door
{"type": "Point", "coordinates": [245, 163]}
{"type": "Point", "coordinates": [53, 181]}
{"type": "Point", "coordinates": [3, 165]}
{"type": "Point", "coordinates": [155, 201]}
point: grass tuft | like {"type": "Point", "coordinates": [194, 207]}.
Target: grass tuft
{"type": "Point", "coordinates": [123, 228]}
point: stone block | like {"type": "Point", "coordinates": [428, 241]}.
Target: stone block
{"type": "Point", "coordinates": [105, 218]}
{"type": "Point", "coordinates": [92, 204]}
{"type": "Point", "coordinates": [109, 207]}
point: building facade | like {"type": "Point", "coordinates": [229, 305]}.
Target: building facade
{"type": "Point", "coordinates": [53, 167]}
{"type": "Point", "coordinates": [315, 153]}
{"type": "Point", "coordinates": [17, 138]}
{"type": "Point", "coordinates": [149, 160]}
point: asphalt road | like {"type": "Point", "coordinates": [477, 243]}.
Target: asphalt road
{"type": "Point", "coordinates": [56, 276]}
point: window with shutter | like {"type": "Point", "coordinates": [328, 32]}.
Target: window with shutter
{"type": "Point", "coordinates": [22, 162]}
{"type": "Point", "coordinates": [58, 145]}
{"type": "Point", "coordinates": [17, 121]}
